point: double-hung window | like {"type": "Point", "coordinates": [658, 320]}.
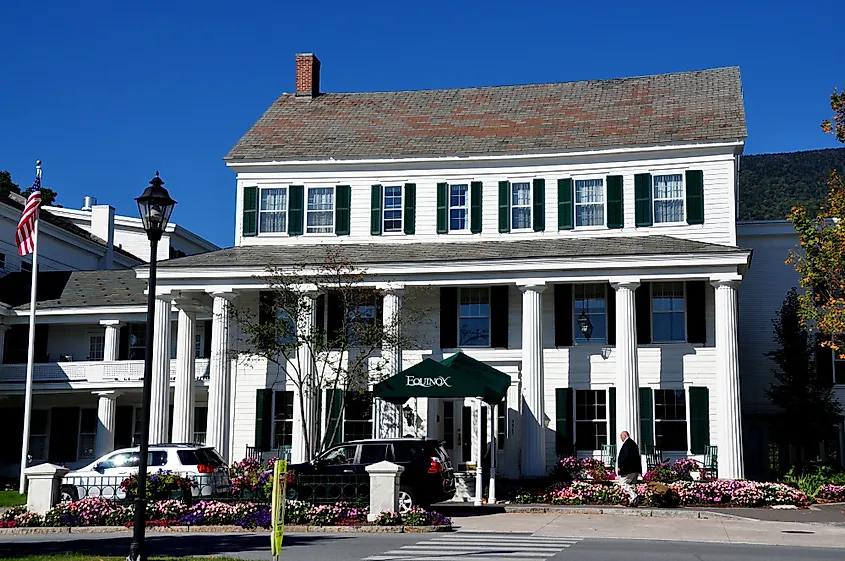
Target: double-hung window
{"type": "Point", "coordinates": [474, 317]}
{"type": "Point", "coordinates": [358, 416]}
{"type": "Point", "coordinates": [670, 420]}
{"type": "Point", "coordinates": [393, 209]}
{"type": "Point", "coordinates": [319, 215]}
{"type": "Point", "coordinates": [96, 346]}
{"type": "Point", "coordinates": [38, 430]}
{"type": "Point", "coordinates": [200, 424]}
{"type": "Point", "coordinates": [668, 317]}
{"type": "Point", "coordinates": [87, 433]}
{"type": "Point", "coordinates": [589, 202]}
{"type": "Point", "coordinates": [838, 363]}
{"type": "Point", "coordinates": [591, 309]}
{"type": "Point", "coordinates": [283, 419]}
{"type": "Point", "coordinates": [668, 197]}
{"type": "Point", "coordinates": [458, 207]}
{"type": "Point", "coordinates": [590, 419]}
{"type": "Point", "coordinates": [520, 206]}
{"type": "Point", "coordinates": [273, 210]}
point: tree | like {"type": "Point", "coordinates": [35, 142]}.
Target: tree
{"type": "Point", "coordinates": [821, 262]}
{"type": "Point", "coordinates": [346, 353]}
{"type": "Point", "coordinates": [48, 196]}
{"type": "Point", "coordinates": [808, 411]}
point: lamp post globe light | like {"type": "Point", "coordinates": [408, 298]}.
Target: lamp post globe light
{"type": "Point", "coordinates": [155, 206]}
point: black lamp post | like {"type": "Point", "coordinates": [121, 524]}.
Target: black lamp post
{"type": "Point", "coordinates": [585, 325]}
{"type": "Point", "coordinates": [155, 206]}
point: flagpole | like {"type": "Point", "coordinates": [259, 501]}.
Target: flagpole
{"type": "Point", "coordinates": [30, 355]}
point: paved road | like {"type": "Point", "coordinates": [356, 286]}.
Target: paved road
{"type": "Point", "coordinates": [413, 547]}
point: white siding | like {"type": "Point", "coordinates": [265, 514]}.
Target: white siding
{"type": "Point", "coordinates": [719, 196]}
{"type": "Point", "coordinates": [54, 254]}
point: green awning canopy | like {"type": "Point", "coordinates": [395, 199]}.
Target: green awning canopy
{"type": "Point", "coordinates": [457, 376]}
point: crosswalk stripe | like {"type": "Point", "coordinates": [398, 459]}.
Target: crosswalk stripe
{"type": "Point", "coordinates": [451, 558]}
{"type": "Point", "coordinates": [430, 554]}
{"type": "Point", "coordinates": [479, 546]}
{"type": "Point", "coordinates": [495, 539]}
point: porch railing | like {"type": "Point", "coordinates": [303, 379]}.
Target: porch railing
{"type": "Point", "coordinates": [90, 371]}
{"type": "Point", "coordinates": [281, 452]}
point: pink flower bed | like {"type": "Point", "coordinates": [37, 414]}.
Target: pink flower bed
{"type": "Point", "coordinates": [832, 493]}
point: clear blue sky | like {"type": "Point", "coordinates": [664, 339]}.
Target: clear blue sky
{"type": "Point", "coordinates": [105, 93]}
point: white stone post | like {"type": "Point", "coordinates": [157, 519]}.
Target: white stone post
{"type": "Point", "coordinates": [183, 392]}
{"type": "Point", "coordinates": [106, 414]}
{"type": "Point", "coordinates": [627, 372]}
{"type": "Point", "coordinates": [45, 483]}
{"type": "Point", "coordinates": [3, 330]}
{"type": "Point", "coordinates": [494, 450]}
{"type": "Point", "coordinates": [160, 404]}
{"type": "Point", "coordinates": [111, 349]}
{"type": "Point", "coordinates": [534, 419]}
{"type": "Point", "coordinates": [308, 375]}
{"type": "Point", "coordinates": [384, 488]}
{"type": "Point", "coordinates": [391, 419]}
{"type": "Point", "coordinates": [729, 406]}
{"type": "Point", "coordinates": [219, 384]}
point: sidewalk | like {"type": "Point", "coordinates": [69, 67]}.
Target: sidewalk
{"type": "Point", "coordinates": [719, 529]}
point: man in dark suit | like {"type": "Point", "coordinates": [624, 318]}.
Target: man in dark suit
{"type": "Point", "coordinates": [628, 467]}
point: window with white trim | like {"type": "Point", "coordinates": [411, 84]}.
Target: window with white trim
{"type": "Point", "coordinates": [838, 362]}
{"type": "Point", "coordinates": [392, 209]}
{"type": "Point", "coordinates": [38, 423]}
{"type": "Point", "coordinates": [474, 317]}
{"type": "Point", "coordinates": [670, 420]}
{"type": "Point", "coordinates": [199, 347]}
{"type": "Point", "coordinates": [668, 316]}
{"type": "Point", "coordinates": [26, 267]}
{"type": "Point", "coordinates": [272, 210]}
{"type": "Point", "coordinates": [96, 346]}
{"type": "Point", "coordinates": [591, 301]}
{"type": "Point", "coordinates": [137, 339]}
{"type": "Point", "coordinates": [590, 419]}
{"type": "Point", "coordinates": [319, 213]}
{"type": "Point", "coordinates": [458, 207]}
{"type": "Point", "coordinates": [283, 419]}
{"type": "Point", "coordinates": [200, 424]}
{"type": "Point", "coordinates": [520, 206]}
{"type": "Point", "coordinates": [589, 202]}
{"type": "Point", "coordinates": [2, 261]}
{"type": "Point", "coordinates": [358, 416]}
{"type": "Point", "coordinates": [668, 198]}
{"type": "Point", "coordinates": [87, 433]}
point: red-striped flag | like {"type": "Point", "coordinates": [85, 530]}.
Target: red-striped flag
{"type": "Point", "coordinates": [24, 235]}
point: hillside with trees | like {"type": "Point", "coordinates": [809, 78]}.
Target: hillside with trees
{"type": "Point", "coordinates": [771, 184]}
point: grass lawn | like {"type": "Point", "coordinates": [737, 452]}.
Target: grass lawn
{"type": "Point", "coordinates": [77, 557]}
{"type": "Point", "coordinates": [12, 498]}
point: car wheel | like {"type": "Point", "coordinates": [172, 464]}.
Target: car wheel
{"type": "Point", "coordinates": [406, 499]}
{"type": "Point", "coordinates": [69, 494]}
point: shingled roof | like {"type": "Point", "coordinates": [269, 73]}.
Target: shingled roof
{"type": "Point", "coordinates": [701, 106]}
{"type": "Point", "coordinates": [379, 253]}
{"type": "Point", "coordinates": [72, 289]}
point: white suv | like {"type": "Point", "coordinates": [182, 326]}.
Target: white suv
{"type": "Point", "coordinates": [102, 478]}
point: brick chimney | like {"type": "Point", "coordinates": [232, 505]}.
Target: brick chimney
{"type": "Point", "coordinates": [307, 75]}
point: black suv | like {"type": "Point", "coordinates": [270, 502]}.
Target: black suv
{"type": "Point", "coordinates": [428, 476]}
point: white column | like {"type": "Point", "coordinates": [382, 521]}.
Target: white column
{"type": "Point", "coordinates": [729, 406]}
{"type": "Point", "coordinates": [391, 417]}
{"type": "Point", "coordinates": [627, 372]}
{"type": "Point", "coordinates": [183, 392]}
{"type": "Point", "coordinates": [493, 411]}
{"type": "Point", "coordinates": [106, 413]}
{"type": "Point", "coordinates": [479, 453]}
{"type": "Point", "coordinates": [219, 384]}
{"type": "Point", "coordinates": [111, 350]}
{"type": "Point", "coordinates": [310, 390]}
{"type": "Point", "coordinates": [3, 330]}
{"type": "Point", "coordinates": [534, 419]}
{"type": "Point", "coordinates": [160, 404]}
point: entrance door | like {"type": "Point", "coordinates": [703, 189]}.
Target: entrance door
{"type": "Point", "coordinates": [64, 433]}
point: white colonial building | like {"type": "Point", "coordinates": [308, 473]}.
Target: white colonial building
{"type": "Point", "coordinates": [509, 212]}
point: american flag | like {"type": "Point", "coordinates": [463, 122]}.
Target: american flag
{"type": "Point", "coordinates": [25, 234]}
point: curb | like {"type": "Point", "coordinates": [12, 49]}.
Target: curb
{"type": "Point", "coordinates": [621, 511]}
{"type": "Point", "coordinates": [292, 529]}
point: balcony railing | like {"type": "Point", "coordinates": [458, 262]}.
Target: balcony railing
{"type": "Point", "coordinates": [90, 371]}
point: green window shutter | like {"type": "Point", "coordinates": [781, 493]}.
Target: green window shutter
{"type": "Point", "coordinates": [695, 197]}
{"type": "Point", "coordinates": [448, 317]}
{"type": "Point", "coordinates": [375, 211]}
{"type": "Point", "coordinates": [263, 418]}
{"type": "Point", "coordinates": [563, 315]}
{"type": "Point", "coordinates": [475, 207]}
{"type": "Point", "coordinates": [642, 199]}
{"type": "Point", "coordinates": [410, 222]}
{"type": "Point", "coordinates": [564, 421]}
{"type": "Point", "coordinates": [342, 210]}
{"type": "Point", "coordinates": [442, 208]}
{"type": "Point", "coordinates": [646, 420]}
{"type": "Point", "coordinates": [696, 314]}
{"type": "Point", "coordinates": [610, 308]}
{"type": "Point", "coordinates": [539, 205]}
{"type": "Point", "coordinates": [499, 317]}
{"type": "Point", "coordinates": [615, 201]}
{"type": "Point", "coordinates": [296, 212]}
{"type": "Point", "coordinates": [334, 404]}
{"type": "Point", "coordinates": [642, 298]}
{"type": "Point", "coordinates": [504, 206]}
{"type": "Point", "coordinates": [565, 218]}
{"type": "Point", "coordinates": [611, 404]}
{"type": "Point", "coordinates": [699, 409]}
{"type": "Point", "coordinates": [250, 221]}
